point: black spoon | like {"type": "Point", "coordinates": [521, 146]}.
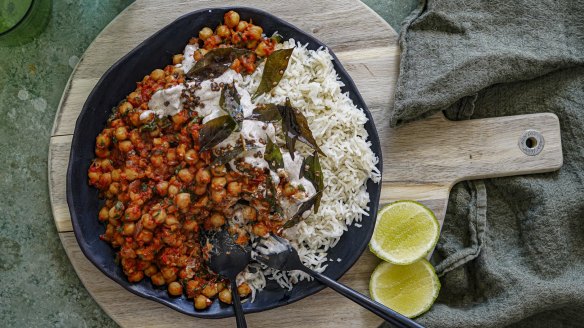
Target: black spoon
{"type": "Point", "coordinates": [228, 259]}
{"type": "Point", "coordinates": [276, 252]}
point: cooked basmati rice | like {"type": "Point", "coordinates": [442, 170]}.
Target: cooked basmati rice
{"type": "Point", "coordinates": [311, 83]}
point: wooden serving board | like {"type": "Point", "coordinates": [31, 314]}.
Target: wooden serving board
{"type": "Point", "coordinates": [421, 160]}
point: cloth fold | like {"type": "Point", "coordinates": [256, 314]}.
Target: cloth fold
{"type": "Point", "coordinates": [511, 252]}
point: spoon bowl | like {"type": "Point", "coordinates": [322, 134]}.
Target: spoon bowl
{"type": "Point", "coordinates": [228, 259]}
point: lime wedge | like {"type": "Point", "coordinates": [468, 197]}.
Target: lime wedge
{"type": "Point", "coordinates": [405, 232]}
{"type": "Point", "coordinates": [407, 289]}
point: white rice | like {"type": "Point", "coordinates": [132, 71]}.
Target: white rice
{"type": "Point", "coordinates": [337, 124]}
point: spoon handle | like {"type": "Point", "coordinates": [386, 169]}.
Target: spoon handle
{"type": "Point", "coordinates": [239, 318]}
{"type": "Point", "coordinates": [381, 310]}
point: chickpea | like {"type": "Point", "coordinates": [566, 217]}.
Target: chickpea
{"type": "Point", "coordinates": [145, 236]}
{"type": "Point", "coordinates": [289, 190]}
{"type": "Point", "coordinates": [243, 290]}
{"type": "Point", "coordinates": [216, 220]}
{"type": "Point", "coordinates": [103, 214]}
{"type": "Point", "coordinates": [175, 289]}
{"type": "Point", "coordinates": [231, 18]}
{"type": "Point", "coordinates": [177, 59]}
{"type": "Point", "coordinates": [125, 146]}
{"type": "Point", "coordinates": [185, 175]}
{"type": "Point", "coordinates": [168, 273]}
{"type": "Point", "coordinates": [133, 213]}
{"type": "Point", "coordinates": [116, 174]}
{"type": "Point", "coordinates": [218, 183]}
{"type": "Point", "coordinates": [210, 290]}
{"type": "Point", "coordinates": [114, 188]}
{"type": "Point", "coordinates": [255, 32]}
{"type": "Point", "coordinates": [105, 179]}
{"type": "Point", "coordinates": [93, 176]}
{"type": "Point", "coordinates": [218, 170]}
{"type": "Point", "coordinates": [225, 296]}
{"type": "Point", "coordinates": [101, 153]}
{"type": "Point", "coordinates": [135, 119]}
{"type": "Point", "coordinates": [192, 286]}
{"type": "Point", "coordinates": [202, 202]}
{"type": "Point", "coordinates": [191, 156]}
{"type": "Point", "coordinates": [103, 140]}
{"type": "Point", "coordinates": [148, 222]}
{"type": "Point", "coordinates": [180, 118]}
{"type": "Point", "coordinates": [262, 49]}
{"type": "Point", "coordinates": [181, 150]}
{"type": "Point", "coordinates": [241, 26]}
{"type": "Point", "coordinates": [252, 44]}
{"type": "Point", "coordinates": [223, 31]}
{"type": "Point", "coordinates": [131, 174]}
{"type": "Point", "coordinates": [205, 33]}
{"type": "Point", "coordinates": [203, 176]}
{"type": "Point", "coordinates": [171, 155]}
{"type": "Point", "coordinates": [249, 213]}
{"type": "Point", "coordinates": [190, 225]}
{"type": "Point", "coordinates": [158, 279]}
{"type": "Point", "coordinates": [171, 220]}
{"type": "Point", "coordinates": [151, 270]}
{"type": "Point", "coordinates": [114, 213]}
{"type": "Point", "coordinates": [199, 54]}
{"type": "Point", "coordinates": [172, 190]}
{"type": "Point", "coordinates": [157, 74]}
{"type": "Point", "coordinates": [148, 256]}
{"type": "Point", "coordinates": [136, 276]}
{"type": "Point", "coordinates": [124, 108]}
{"type": "Point", "coordinates": [260, 229]}
{"type": "Point", "coordinates": [183, 200]}
{"type": "Point", "coordinates": [135, 97]}
{"type": "Point", "coordinates": [218, 195]}
{"type": "Point", "coordinates": [157, 160]}
{"type": "Point", "coordinates": [128, 229]}
{"type": "Point", "coordinates": [202, 302]}
{"type": "Point", "coordinates": [200, 190]}
{"type": "Point", "coordinates": [162, 188]}
{"type": "Point", "coordinates": [160, 216]}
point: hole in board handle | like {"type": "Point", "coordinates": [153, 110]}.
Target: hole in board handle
{"type": "Point", "coordinates": [531, 142]}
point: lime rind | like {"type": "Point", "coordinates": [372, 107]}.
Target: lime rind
{"type": "Point", "coordinates": [400, 303]}
{"type": "Point", "coordinates": [422, 238]}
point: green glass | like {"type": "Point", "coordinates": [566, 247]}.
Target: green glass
{"type": "Point", "coordinates": [22, 20]}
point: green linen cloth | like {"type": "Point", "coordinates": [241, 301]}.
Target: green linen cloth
{"type": "Point", "coordinates": [511, 251]}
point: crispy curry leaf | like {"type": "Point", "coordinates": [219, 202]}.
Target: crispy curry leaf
{"type": "Point", "coordinates": [312, 171]}
{"type": "Point", "coordinates": [230, 102]}
{"type": "Point", "coordinates": [266, 113]}
{"type": "Point", "coordinates": [303, 208]}
{"type": "Point", "coordinates": [274, 69]}
{"type": "Point", "coordinates": [215, 131]}
{"type": "Point", "coordinates": [295, 127]}
{"type": "Point", "coordinates": [273, 155]}
{"type": "Point", "coordinates": [215, 62]}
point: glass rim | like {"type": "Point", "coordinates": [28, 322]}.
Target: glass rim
{"type": "Point", "coordinates": [26, 14]}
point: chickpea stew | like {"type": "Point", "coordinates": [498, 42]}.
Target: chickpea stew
{"type": "Point", "coordinates": [188, 152]}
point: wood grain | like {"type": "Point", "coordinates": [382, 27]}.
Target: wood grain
{"type": "Point", "coordinates": [422, 160]}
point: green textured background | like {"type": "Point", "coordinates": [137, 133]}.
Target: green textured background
{"type": "Point", "coordinates": [38, 285]}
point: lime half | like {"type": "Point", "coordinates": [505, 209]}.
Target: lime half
{"type": "Point", "coordinates": [406, 231]}
{"type": "Point", "coordinates": [407, 289]}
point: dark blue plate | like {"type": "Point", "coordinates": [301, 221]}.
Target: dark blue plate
{"type": "Point", "coordinates": [119, 81]}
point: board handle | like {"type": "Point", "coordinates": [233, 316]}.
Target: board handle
{"type": "Point", "coordinates": [424, 159]}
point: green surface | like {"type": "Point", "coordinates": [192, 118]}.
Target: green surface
{"type": "Point", "coordinates": [39, 286]}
